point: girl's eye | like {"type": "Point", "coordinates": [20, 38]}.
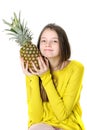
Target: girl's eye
{"type": "Point", "coordinates": [55, 41]}
{"type": "Point", "coordinates": [43, 41]}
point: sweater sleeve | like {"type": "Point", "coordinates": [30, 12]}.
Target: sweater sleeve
{"type": "Point", "coordinates": [34, 101]}
{"type": "Point", "coordinates": [62, 106]}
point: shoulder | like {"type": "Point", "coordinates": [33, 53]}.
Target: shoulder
{"type": "Point", "coordinates": [76, 65]}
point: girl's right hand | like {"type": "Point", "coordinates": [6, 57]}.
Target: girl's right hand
{"type": "Point", "coordinates": [25, 68]}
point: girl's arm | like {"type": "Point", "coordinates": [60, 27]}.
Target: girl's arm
{"type": "Point", "coordinates": [35, 109]}
{"type": "Point", "coordinates": [63, 106]}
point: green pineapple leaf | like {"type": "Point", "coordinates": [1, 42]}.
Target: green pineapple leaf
{"type": "Point", "coordinates": [18, 30]}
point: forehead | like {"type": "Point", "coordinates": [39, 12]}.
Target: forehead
{"type": "Point", "coordinates": [49, 32]}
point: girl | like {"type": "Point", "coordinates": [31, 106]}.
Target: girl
{"type": "Point", "coordinates": [53, 90]}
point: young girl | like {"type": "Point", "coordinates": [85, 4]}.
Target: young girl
{"type": "Point", "coordinates": [53, 90]}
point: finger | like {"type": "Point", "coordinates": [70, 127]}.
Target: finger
{"type": "Point", "coordinates": [21, 59]}
{"type": "Point", "coordinates": [46, 61]}
{"type": "Point", "coordinates": [41, 62]}
{"type": "Point", "coordinates": [27, 66]}
{"type": "Point", "coordinates": [32, 72]}
{"type": "Point", "coordinates": [22, 62]}
{"type": "Point", "coordinates": [35, 68]}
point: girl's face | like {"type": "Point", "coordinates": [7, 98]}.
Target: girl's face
{"type": "Point", "coordinates": [49, 44]}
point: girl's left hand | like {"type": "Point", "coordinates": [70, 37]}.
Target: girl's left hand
{"type": "Point", "coordinates": [43, 66]}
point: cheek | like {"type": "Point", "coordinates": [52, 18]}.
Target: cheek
{"type": "Point", "coordinates": [57, 49]}
{"type": "Point", "coordinates": [41, 48]}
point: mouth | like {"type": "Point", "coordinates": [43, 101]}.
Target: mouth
{"type": "Point", "coordinates": [48, 50]}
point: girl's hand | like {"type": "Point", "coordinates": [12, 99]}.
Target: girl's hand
{"type": "Point", "coordinates": [25, 68]}
{"type": "Point", "coordinates": [43, 66]}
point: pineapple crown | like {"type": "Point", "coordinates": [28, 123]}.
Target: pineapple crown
{"type": "Point", "coordinates": [18, 30]}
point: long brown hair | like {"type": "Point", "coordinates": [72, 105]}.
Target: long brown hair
{"type": "Point", "coordinates": [65, 51]}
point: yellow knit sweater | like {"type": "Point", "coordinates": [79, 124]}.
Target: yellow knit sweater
{"type": "Point", "coordinates": [63, 88]}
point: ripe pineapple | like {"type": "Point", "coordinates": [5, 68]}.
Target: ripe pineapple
{"type": "Point", "coordinates": [22, 35]}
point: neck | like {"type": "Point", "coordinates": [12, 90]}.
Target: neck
{"type": "Point", "coordinates": [54, 64]}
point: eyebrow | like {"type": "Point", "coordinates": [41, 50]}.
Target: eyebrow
{"type": "Point", "coordinates": [55, 37]}
{"type": "Point", "coordinates": [52, 37]}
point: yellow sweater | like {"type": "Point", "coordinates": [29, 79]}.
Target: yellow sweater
{"type": "Point", "coordinates": [63, 88]}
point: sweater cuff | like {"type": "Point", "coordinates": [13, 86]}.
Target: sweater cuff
{"type": "Point", "coordinates": [32, 77]}
{"type": "Point", "coordinates": [42, 76]}
{"type": "Point", "coordinates": [46, 78]}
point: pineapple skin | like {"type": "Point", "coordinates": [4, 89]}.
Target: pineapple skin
{"type": "Point", "coordinates": [22, 35]}
{"type": "Point", "coordinates": [30, 53]}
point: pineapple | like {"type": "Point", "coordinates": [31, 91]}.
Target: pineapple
{"type": "Point", "coordinates": [22, 35]}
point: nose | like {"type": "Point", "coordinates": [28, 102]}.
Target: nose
{"type": "Point", "coordinates": [48, 43]}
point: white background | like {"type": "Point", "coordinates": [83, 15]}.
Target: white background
{"type": "Point", "coordinates": [71, 15]}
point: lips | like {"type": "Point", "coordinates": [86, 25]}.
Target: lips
{"type": "Point", "coordinates": [48, 50]}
